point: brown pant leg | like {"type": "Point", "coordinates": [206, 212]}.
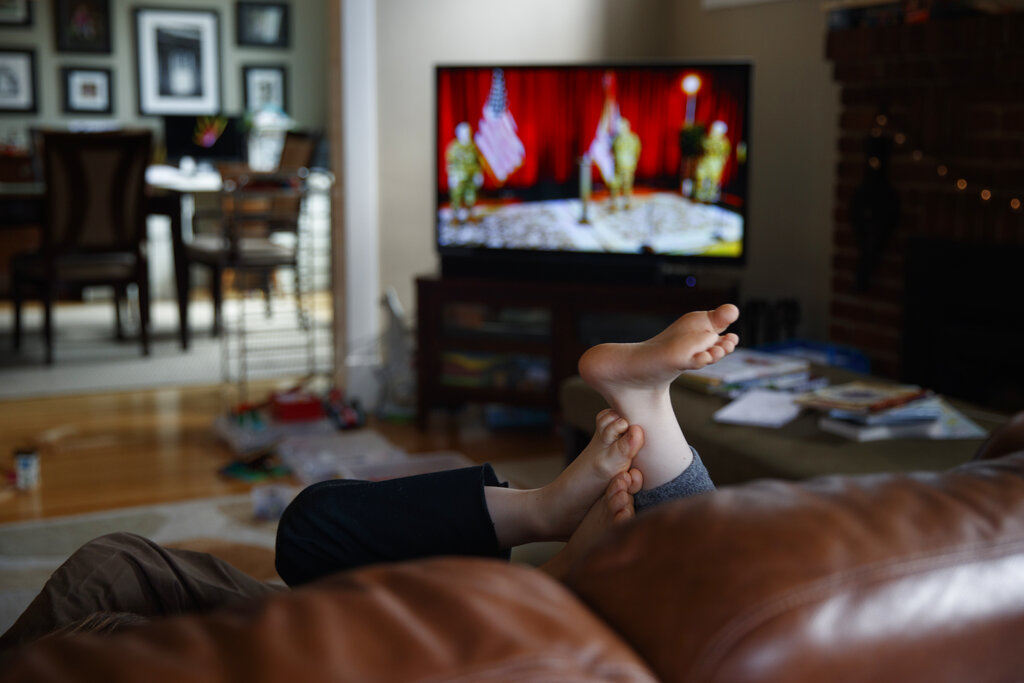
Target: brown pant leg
{"type": "Point", "coordinates": [123, 572]}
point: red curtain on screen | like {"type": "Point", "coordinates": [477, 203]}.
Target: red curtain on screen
{"type": "Point", "coordinates": [557, 110]}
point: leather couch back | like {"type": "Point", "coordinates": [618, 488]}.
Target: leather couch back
{"type": "Point", "coordinates": [872, 578]}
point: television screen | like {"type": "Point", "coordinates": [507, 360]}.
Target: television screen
{"type": "Point", "coordinates": [644, 160]}
{"type": "Point", "coordinates": [213, 138]}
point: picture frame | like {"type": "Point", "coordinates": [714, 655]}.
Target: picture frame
{"type": "Point", "coordinates": [87, 90]}
{"type": "Point", "coordinates": [265, 84]}
{"type": "Point", "coordinates": [15, 13]}
{"type": "Point", "coordinates": [18, 92]}
{"type": "Point", "coordinates": [262, 24]}
{"type": "Point", "coordinates": [82, 26]}
{"type": "Point", "coordinates": [177, 61]}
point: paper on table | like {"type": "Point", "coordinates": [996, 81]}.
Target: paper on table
{"type": "Point", "coordinates": [761, 408]}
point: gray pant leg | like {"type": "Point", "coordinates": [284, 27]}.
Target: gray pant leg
{"type": "Point", "coordinates": [693, 480]}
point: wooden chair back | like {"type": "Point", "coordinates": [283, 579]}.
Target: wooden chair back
{"type": "Point", "coordinates": [95, 191]}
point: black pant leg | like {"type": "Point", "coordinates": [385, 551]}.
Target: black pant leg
{"type": "Point", "coordinates": [343, 524]}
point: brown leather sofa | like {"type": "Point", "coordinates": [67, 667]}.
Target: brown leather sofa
{"type": "Point", "coordinates": [888, 577]}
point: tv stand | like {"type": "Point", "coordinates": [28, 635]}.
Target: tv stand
{"type": "Point", "coordinates": [510, 342]}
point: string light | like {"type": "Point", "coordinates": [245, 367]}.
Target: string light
{"type": "Point", "coordinates": [899, 138]}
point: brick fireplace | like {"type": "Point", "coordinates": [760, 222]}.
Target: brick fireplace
{"type": "Point", "coordinates": [929, 203]}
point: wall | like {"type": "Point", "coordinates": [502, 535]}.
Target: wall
{"type": "Point", "coordinates": [304, 59]}
{"type": "Point", "coordinates": [793, 142]}
{"type": "Point", "coordinates": [413, 36]}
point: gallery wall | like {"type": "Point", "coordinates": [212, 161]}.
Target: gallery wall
{"type": "Point", "coordinates": [303, 59]}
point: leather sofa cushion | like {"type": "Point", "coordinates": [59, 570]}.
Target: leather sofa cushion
{"type": "Point", "coordinates": [880, 577]}
{"type": "Point", "coordinates": [441, 619]}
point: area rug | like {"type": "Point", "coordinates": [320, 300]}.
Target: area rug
{"type": "Point", "coordinates": [225, 526]}
{"type": "Point", "coordinates": [89, 359]}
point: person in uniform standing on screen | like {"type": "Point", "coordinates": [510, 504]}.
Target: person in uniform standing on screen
{"type": "Point", "coordinates": [626, 148]}
{"type": "Point", "coordinates": [712, 163]}
{"type": "Point", "coordinates": [465, 175]}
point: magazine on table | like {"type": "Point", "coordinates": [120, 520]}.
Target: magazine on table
{"type": "Point", "coordinates": [862, 397]}
{"type": "Point", "coordinates": [745, 365]}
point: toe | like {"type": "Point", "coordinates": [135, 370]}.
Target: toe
{"type": "Point", "coordinates": [636, 480]}
{"type": "Point", "coordinates": [618, 501]}
{"type": "Point", "coordinates": [620, 482]}
{"type": "Point", "coordinates": [723, 316]}
{"type": "Point", "coordinates": [613, 431]}
{"type": "Point", "coordinates": [605, 418]}
{"type": "Point", "coordinates": [631, 443]}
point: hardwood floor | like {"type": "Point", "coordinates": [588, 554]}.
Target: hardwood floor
{"type": "Point", "coordinates": [102, 451]}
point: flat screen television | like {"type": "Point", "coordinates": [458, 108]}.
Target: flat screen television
{"type": "Point", "coordinates": [204, 138]}
{"type": "Point", "coordinates": [591, 170]}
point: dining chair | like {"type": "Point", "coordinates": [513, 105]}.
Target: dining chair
{"type": "Point", "coordinates": [252, 208]}
{"type": "Point", "coordinates": [94, 225]}
{"type": "Point", "coordinates": [242, 236]}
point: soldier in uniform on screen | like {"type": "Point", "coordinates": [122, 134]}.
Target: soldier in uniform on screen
{"type": "Point", "coordinates": [712, 163]}
{"type": "Point", "coordinates": [626, 148]}
{"type": "Point", "coordinates": [464, 172]}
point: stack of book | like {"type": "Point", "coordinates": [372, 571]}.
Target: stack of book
{"type": "Point", "coordinates": [746, 369]}
{"type": "Point", "coordinates": [862, 411]}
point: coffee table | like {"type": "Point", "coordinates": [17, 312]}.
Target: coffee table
{"type": "Point", "coordinates": [799, 450]}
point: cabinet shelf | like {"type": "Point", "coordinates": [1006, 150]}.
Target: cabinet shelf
{"type": "Point", "coordinates": [547, 325]}
{"type": "Point", "coordinates": [451, 342]}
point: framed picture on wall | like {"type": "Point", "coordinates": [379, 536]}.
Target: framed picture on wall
{"type": "Point", "coordinates": [87, 90]}
{"type": "Point", "coordinates": [18, 81]}
{"type": "Point", "coordinates": [82, 25]}
{"type": "Point", "coordinates": [177, 61]}
{"type": "Point", "coordinates": [261, 24]}
{"type": "Point", "coordinates": [15, 13]}
{"type": "Point", "coordinates": [265, 86]}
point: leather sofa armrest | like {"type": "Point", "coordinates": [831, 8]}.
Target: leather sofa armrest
{"type": "Point", "coordinates": [439, 619]}
{"type": "Point", "coordinates": [1008, 438]}
{"type": "Point", "coordinates": [879, 577]}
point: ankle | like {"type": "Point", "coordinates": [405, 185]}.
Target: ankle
{"type": "Point", "coordinates": [547, 513]}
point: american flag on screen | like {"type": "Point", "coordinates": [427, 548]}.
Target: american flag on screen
{"type": "Point", "coordinates": [496, 137]}
{"type": "Point", "coordinates": [601, 146]}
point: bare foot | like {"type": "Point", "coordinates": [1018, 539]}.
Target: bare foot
{"type": "Point", "coordinates": [552, 512]}
{"type": "Point", "coordinates": [635, 379]}
{"type": "Point", "coordinates": [614, 507]}
{"type": "Point", "coordinates": [610, 452]}
{"type": "Point", "coordinates": [690, 343]}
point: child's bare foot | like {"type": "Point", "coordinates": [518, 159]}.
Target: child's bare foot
{"type": "Point", "coordinates": [610, 452]}
{"type": "Point", "coordinates": [552, 512]}
{"type": "Point", "coordinates": [635, 379]}
{"type": "Point", "coordinates": [690, 343]}
{"type": "Point", "coordinates": [614, 507]}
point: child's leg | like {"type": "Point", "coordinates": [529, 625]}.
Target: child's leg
{"type": "Point", "coordinates": [635, 379]}
{"type": "Point", "coordinates": [343, 524]}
